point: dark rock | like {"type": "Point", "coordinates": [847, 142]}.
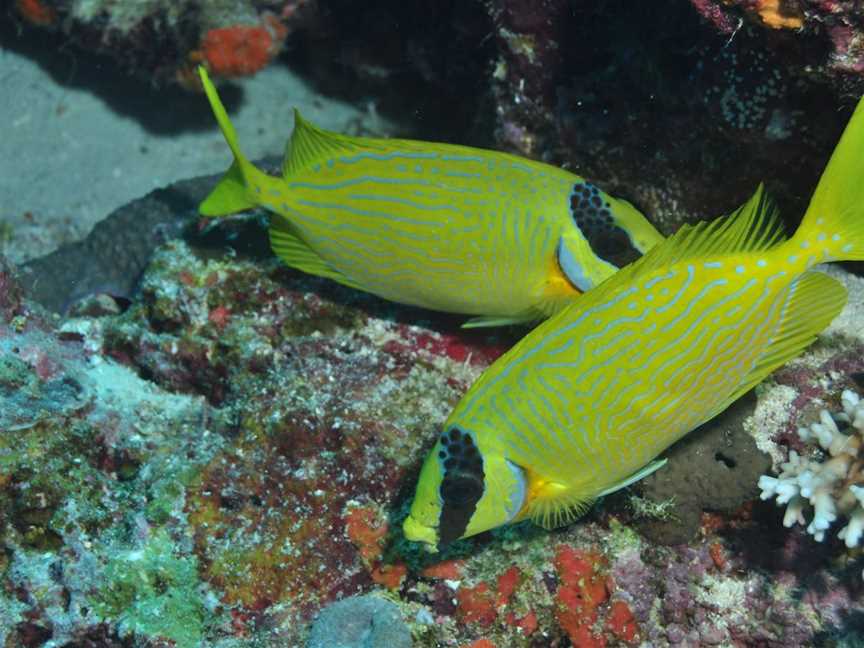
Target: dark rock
{"type": "Point", "coordinates": [112, 258]}
{"type": "Point", "coordinates": [714, 468]}
{"type": "Point", "coordinates": [10, 291]}
{"type": "Point", "coordinates": [360, 622]}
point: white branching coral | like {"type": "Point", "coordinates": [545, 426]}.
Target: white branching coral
{"type": "Point", "coordinates": [832, 484]}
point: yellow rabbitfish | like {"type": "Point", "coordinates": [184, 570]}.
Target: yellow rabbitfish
{"type": "Point", "coordinates": [584, 404]}
{"type": "Point", "coordinates": [445, 227]}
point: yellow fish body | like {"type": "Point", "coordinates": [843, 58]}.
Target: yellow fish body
{"type": "Point", "coordinates": [445, 227]}
{"type": "Point", "coordinates": [585, 403]}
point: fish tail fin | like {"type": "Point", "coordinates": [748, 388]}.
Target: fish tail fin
{"type": "Point", "coordinates": [231, 193]}
{"type": "Point", "coordinates": [833, 226]}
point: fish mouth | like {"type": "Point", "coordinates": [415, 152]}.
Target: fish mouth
{"type": "Point", "coordinates": [417, 532]}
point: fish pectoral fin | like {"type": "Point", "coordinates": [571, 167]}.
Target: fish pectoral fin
{"type": "Point", "coordinates": [642, 473]}
{"type": "Point", "coordinates": [552, 504]}
{"type": "Point", "coordinates": [289, 247]}
{"type": "Point", "coordinates": [494, 320]}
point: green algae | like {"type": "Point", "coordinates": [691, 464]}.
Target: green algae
{"type": "Point", "coordinates": [17, 374]}
{"type": "Point", "coordinates": [621, 538]}
{"type": "Point", "coordinates": [154, 591]}
{"type": "Point", "coordinates": [652, 510]}
{"type": "Point", "coordinates": [11, 613]}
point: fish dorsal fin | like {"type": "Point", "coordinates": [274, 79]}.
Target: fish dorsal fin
{"type": "Point", "coordinates": [310, 144]}
{"type": "Point", "coordinates": [289, 247]}
{"type": "Point", "coordinates": [813, 301]}
{"type": "Point", "coordinates": [753, 226]}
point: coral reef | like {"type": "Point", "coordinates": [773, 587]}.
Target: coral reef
{"type": "Point", "coordinates": [237, 450]}
{"type": "Point", "coordinates": [835, 26]}
{"type": "Point", "coordinates": [227, 448]}
{"type": "Point", "coordinates": [84, 475]}
{"type": "Point", "coordinates": [832, 486]}
{"type": "Point", "coordinates": [528, 67]}
{"type": "Point", "coordinates": [639, 84]}
{"type": "Point", "coordinates": [162, 41]}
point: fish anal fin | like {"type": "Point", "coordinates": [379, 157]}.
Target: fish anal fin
{"type": "Point", "coordinates": [815, 299]}
{"type": "Point", "coordinates": [289, 247]}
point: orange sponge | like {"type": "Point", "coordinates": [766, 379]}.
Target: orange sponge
{"type": "Point", "coordinates": [237, 51]}
{"type": "Point", "coordinates": [36, 12]}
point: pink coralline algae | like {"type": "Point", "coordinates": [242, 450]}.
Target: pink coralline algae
{"type": "Point", "coordinates": [836, 25]}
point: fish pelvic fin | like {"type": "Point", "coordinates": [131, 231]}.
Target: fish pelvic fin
{"type": "Point", "coordinates": [522, 319]}
{"type": "Point", "coordinates": [231, 193]}
{"type": "Point", "coordinates": [833, 226]}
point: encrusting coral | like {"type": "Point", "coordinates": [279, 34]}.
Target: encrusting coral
{"type": "Point", "coordinates": [832, 485]}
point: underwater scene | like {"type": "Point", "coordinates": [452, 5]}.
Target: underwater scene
{"type": "Point", "coordinates": [432, 323]}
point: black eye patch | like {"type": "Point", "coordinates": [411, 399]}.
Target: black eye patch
{"type": "Point", "coordinates": [461, 490]}
{"type": "Point", "coordinates": [593, 216]}
{"type": "Point", "coordinates": [462, 485]}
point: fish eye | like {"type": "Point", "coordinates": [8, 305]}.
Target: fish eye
{"type": "Point", "coordinates": [461, 489]}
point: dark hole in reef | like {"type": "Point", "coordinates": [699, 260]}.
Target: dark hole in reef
{"type": "Point", "coordinates": [841, 424]}
{"type": "Point", "coordinates": [729, 462]}
{"type": "Point", "coordinates": [858, 378]}
{"type": "Point", "coordinates": [123, 303]}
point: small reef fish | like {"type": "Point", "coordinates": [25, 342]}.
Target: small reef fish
{"type": "Point", "coordinates": [445, 227]}
{"type": "Point", "coordinates": [584, 404]}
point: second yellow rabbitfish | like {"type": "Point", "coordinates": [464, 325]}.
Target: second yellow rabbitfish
{"type": "Point", "coordinates": [446, 227]}
{"type": "Point", "coordinates": [585, 402]}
